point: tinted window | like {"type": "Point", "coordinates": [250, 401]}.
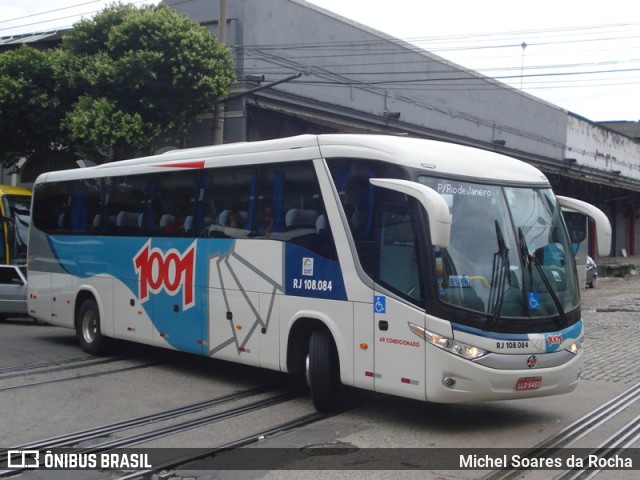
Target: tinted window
{"type": "Point", "coordinates": [397, 242]}
{"type": "Point", "coordinates": [10, 276]}
{"type": "Point", "coordinates": [66, 207]}
{"type": "Point", "coordinates": [227, 202]}
{"type": "Point", "coordinates": [275, 201]}
{"type": "Point", "coordinates": [361, 201]}
{"type": "Point", "coordinates": [125, 202]}
{"type": "Point", "coordinates": [169, 207]}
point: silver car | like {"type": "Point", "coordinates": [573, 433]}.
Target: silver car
{"type": "Point", "coordinates": [13, 291]}
{"type": "Point", "coordinates": [592, 273]}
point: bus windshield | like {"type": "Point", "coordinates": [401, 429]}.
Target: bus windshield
{"type": "Point", "coordinates": [509, 254]}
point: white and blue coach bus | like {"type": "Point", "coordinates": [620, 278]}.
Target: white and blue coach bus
{"type": "Point", "coordinates": [412, 267]}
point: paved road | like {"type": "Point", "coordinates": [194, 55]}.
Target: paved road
{"type": "Point", "coordinates": [611, 312]}
{"type": "Point", "coordinates": [612, 322]}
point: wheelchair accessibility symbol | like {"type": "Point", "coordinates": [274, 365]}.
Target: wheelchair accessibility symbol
{"type": "Point", "coordinates": [379, 304]}
{"type": "Point", "coordinates": [534, 301]}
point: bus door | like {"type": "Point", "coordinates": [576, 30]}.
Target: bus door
{"type": "Point", "coordinates": [399, 353]}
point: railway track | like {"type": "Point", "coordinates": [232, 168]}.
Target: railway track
{"type": "Point", "coordinates": [201, 459]}
{"type": "Point", "coordinates": [93, 440]}
{"type": "Point", "coordinates": [623, 438]}
{"type": "Point", "coordinates": [42, 367]}
{"type": "Point", "coordinates": [26, 376]}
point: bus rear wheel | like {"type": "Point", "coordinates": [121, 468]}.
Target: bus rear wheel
{"type": "Point", "coordinates": [323, 371]}
{"type": "Point", "coordinates": [88, 328]}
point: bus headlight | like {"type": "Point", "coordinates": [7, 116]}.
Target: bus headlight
{"type": "Point", "coordinates": [449, 344]}
{"type": "Point", "coordinates": [576, 347]}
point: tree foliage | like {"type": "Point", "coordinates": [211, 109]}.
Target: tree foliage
{"type": "Point", "coordinates": [30, 111]}
{"type": "Point", "coordinates": [129, 79]}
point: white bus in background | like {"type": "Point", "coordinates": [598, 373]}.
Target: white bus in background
{"type": "Point", "coordinates": [412, 267]}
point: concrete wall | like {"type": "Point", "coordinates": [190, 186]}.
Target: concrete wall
{"type": "Point", "coordinates": [602, 149]}
{"type": "Point", "coordinates": [366, 73]}
{"type": "Point", "coordinates": [608, 158]}
{"type": "Point", "coordinates": [357, 74]}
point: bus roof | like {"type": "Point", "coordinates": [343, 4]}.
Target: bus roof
{"type": "Point", "coordinates": [13, 190]}
{"type": "Point", "coordinates": [434, 157]}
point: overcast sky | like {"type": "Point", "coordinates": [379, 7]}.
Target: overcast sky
{"type": "Point", "coordinates": [583, 56]}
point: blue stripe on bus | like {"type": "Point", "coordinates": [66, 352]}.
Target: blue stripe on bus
{"type": "Point", "coordinates": [165, 298]}
{"type": "Point", "coordinates": [84, 257]}
{"type": "Point", "coordinates": [458, 327]}
{"type": "Point", "coordinates": [567, 333]}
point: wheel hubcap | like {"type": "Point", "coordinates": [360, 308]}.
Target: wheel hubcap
{"type": "Point", "coordinates": [89, 327]}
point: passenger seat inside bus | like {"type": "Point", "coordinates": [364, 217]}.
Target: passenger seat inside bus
{"type": "Point", "coordinates": [127, 223]}
{"type": "Point", "coordinates": [296, 219]}
{"type": "Point", "coordinates": [187, 226]}
{"type": "Point", "coordinates": [308, 229]}
{"type": "Point", "coordinates": [230, 224]}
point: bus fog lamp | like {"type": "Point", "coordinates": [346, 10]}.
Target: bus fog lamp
{"type": "Point", "coordinates": [458, 348]}
{"type": "Point", "coordinates": [449, 382]}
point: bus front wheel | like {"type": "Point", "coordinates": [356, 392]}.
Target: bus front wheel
{"type": "Point", "coordinates": [323, 370]}
{"type": "Point", "coordinates": [88, 328]}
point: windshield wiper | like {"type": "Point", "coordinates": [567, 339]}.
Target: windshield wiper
{"type": "Point", "coordinates": [529, 260]}
{"type": "Point", "coordinates": [501, 273]}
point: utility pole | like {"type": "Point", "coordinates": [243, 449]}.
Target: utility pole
{"type": "Point", "coordinates": [524, 45]}
{"type": "Point", "coordinates": [218, 112]}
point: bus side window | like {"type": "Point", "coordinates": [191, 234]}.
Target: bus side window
{"type": "Point", "coordinates": [170, 201]}
{"type": "Point", "coordinates": [48, 207]}
{"type": "Point", "coordinates": [126, 204]}
{"type": "Point", "coordinates": [290, 208]}
{"type": "Point", "coordinates": [226, 202]}
{"type": "Point", "coordinates": [360, 200]}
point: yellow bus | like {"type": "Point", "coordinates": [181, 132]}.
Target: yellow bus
{"type": "Point", "coordinates": [15, 213]}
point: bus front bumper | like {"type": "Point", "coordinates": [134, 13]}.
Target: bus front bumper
{"type": "Point", "coordinates": [453, 379]}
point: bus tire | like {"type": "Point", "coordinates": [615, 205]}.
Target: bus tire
{"type": "Point", "coordinates": [88, 328]}
{"type": "Point", "coordinates": [323, 370]}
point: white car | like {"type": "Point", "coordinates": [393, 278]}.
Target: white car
{"type": "Point", "coordinates": [13, 291]}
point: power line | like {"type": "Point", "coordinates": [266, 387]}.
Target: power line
{"type": "Point", "coordinates": [468, 38]}
{"type": "Point", "coordinates": [369, 54]}
{"type": "Point", "coordinates": [61, 18]}
{"type": "Point", "coordinates": [49, 11]}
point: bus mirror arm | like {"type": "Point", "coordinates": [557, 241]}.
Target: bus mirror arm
{"type": "Point", "coordinates": [603, 226]}
{"type": "Point", "coordinates": [436, 207]}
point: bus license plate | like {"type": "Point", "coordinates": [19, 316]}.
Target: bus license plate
{"type": "Point", "coordinates": [529, 383]}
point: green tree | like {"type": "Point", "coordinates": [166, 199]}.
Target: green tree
{"type": "Point", "coordinates": [30, 110]}
{"type": "Point", "coordinates": [140, 76]}
{"type": "Point", "coordinates": [122, 83]}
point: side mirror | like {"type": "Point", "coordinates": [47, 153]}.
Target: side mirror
{"type": "Point", "coordinates": [436, 207]}
{"type": "Point", "coordinates": [603, 226]}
